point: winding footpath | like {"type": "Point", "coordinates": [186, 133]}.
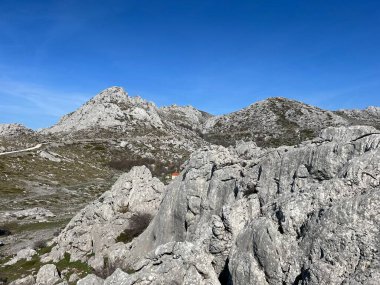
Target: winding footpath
{"type": "Point", "coordinates": [22, 150]}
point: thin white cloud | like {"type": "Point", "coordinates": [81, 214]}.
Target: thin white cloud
{"type": "Point", "coordinates": [39, 99]}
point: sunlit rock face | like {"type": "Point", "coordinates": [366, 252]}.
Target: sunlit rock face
{"type": "Point", "coordinates": [112, 108]}
{"type": "Point", "coordinates": [11, 130]}
{"type": "Point", "coordinates": [306, 214]}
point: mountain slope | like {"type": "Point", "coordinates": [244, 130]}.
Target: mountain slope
{"type": "Point", "coordinates": [369, 116]}
{"type": "Point", "coordinates": [185, 116]}
{"type": "Point", "coordinates": [272, 122]}
{"type": "Point", "coordinates": [167, 134]}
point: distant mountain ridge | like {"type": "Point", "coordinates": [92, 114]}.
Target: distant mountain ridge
{"type": "Point", "coordinates": [272, 122]}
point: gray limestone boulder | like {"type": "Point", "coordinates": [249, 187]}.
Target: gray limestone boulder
{"type": "Point", "coordinates": [91, 280]}
{"type": "Point", "coordinates": [48, 275]}
{"type": "Point", "coordinates": [95, 229]}
{"type": "Point", "coordinates": [250, 209]}
{"type": "Point", "coordinates": [26, 254]}
{"type": "Point", "coordinates": [171, 263]}
{"type": "Point", "coordinates": [28, 280]}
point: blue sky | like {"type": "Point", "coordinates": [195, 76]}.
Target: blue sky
{"type": "Point", "coordinates": [218, 56]}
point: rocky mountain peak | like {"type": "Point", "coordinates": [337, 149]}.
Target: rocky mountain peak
{"type": "Point", "coordinates": [284, 102]}
{"type": "Point", "coordinates": [113, 94]}
{"type": "Point", "coordinates": [112, 108]}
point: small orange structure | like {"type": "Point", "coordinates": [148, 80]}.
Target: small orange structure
{"type": "Point", "coordinates": [175, 175]}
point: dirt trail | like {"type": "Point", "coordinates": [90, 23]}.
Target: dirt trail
{"type": "Point", "coordinates": [22, 150]}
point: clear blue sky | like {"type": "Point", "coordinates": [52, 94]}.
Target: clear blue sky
{"type": "Point", "coordinates": [218, 56]}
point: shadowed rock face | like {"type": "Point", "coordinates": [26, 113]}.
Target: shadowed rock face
{"type": "Point", "coordinates": [307, 214]}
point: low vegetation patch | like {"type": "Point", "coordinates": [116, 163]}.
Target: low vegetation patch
{"type": "Point", "coordinates": [23, 267]}
{"type": "Point", "coordinates": [14, 227]}
{"type": "Point", "coordinates": [78, 267]}
{"type": "Point", "coordinates": [20, 269]}
{"type": "Point", "coordinates": [126, 164]}
{"type": "Point", "coordinates": [137, 224]}
{"type": "Point", "coordinates": [158, 168]}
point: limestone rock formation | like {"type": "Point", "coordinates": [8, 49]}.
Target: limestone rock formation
{"type": "Point", "coordinates": [26, 254]}
{"type": "Point", "coordinates": [11, 130]}
{"type": "Point", "coordinates": [28, 280]}
{"type": "Point", "coordinates": [91, 279]}
{"type": "Point", "coordinates": [112, 108]}
{"type": "Point", "coordinates": [292, 198]}
{"type": "Point", "coordinates": [48, 275]}
{"type": "Point", "coordinates": [306, 214]}
{"type": "Point", "coordinates": [185, 116]}
{"type": "Point", "coordinates": [94, 230]}
{"type": "Point", "coordinates": [172, 263]}
{"type": "Point", "coordinates": [369, 116]}
{"type": "Point", "coordinates": [165, 134]}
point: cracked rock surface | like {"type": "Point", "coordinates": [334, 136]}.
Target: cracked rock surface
{"type": "Point", "coordinates": [93, 231]}
{"type": "Point", "coordinates": [307, 214]}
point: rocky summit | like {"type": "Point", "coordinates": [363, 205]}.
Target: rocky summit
{"type": "Point", "coordinates": [277, 193]}
{"type": "Point", "coordinates": [112, 108]}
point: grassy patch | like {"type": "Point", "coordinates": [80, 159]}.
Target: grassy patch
{"type": "Point", "coordinates": [46, 249]}
{"type": "Point", "coordinates": [78, 267]}
{"type": "Point", "coordinates": [20, 269]}
{"type": "Point", "coordinates": [15, 227]}
{"type": "Point", "coordinates": [23, 268]}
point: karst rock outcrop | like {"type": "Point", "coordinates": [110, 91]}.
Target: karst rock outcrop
{"type": "Point", "coordinates": [94, 231]}
{"type": "Point", "coordinates": [306, 214]}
